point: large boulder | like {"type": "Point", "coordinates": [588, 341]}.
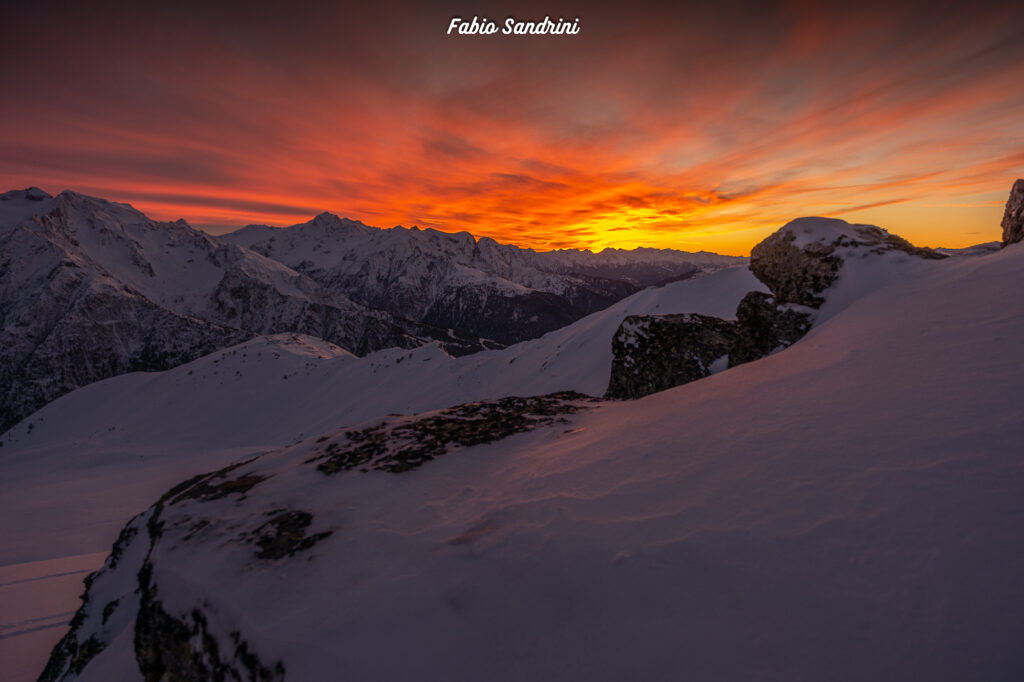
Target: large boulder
{"type": "Point", "coordinates": [652, 353]}
{"type": "Point", "coordinates": [802, 259]}
{"type": "Point", "coordinates": [1013, 217]}
{"type": "Point", "coordinates": [765, 326]}
{"type": "Point", "coordinates": [656, 352]}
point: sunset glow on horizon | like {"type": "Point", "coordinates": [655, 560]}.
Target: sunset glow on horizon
{"type": "Point", "coordinates": [699, 128]}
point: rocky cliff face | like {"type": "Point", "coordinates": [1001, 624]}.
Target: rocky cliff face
{"type": "Point", "coordinates": [798, 263]}
{"type": "Point", "coordinates": [1013, 217]}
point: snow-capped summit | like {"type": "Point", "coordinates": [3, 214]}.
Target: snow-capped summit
{"type": "Point", "coordinates": [19, 204]}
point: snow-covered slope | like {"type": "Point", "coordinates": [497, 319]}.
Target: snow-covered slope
{"type": "Point", "coordinates": [271, 391]}
{"type": "Point", "coordinates": [486, 289]}
{"type": "Point", "coordinates": [847, 509]}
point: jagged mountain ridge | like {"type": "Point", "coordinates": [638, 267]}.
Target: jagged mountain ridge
{"type": "Point", "coordinates": [484, 288]}
{"type": "Point", "coordinates": [90, 289]}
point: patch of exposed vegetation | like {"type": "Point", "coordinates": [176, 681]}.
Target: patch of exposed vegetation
{"type": "Point", "coordinates": [87, 651]}
{"type": "Point", "coordinates": [170, 648]}
{"type": "Point", "coordinates": [206, 486]}
{"type": "Point", "coordinates": [123, 538]}
{"type": "Point", "coordinates": [285, 534]}
{"type": "Point", "coordinates": [404, 445]}
{"type": "Point", "coordinates": [109, 609]}
{"type": "Point", "coordinates": [195, 528]}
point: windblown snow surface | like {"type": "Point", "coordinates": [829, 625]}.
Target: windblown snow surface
{"type": "Point", "coordinates": [847, 509]}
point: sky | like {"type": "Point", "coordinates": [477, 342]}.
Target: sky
{"type": "Point", "coordinates": [697, 126]}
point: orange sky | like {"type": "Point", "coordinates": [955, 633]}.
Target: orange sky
{"type": "Point", "coordinates": [703, 127]}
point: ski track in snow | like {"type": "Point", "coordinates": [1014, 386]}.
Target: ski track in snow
{"type": "Point", "coordinates": [37, 600]}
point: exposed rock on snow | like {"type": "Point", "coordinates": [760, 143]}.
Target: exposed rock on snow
{"type": "Point", "coordinates": [656, 352]}
{"type": "Point", "coordinates": [802, 259]}
{"type": "Point", "coordinates": [1013, 217]}
{"type": "Point", "coordinates": [402, 445]}
{"type": "Point", "coordinates": [165, 645]}
{"type": "Point", "coordinates": [310, 386]}
{"type": "Point", "coordinates": [763, 326]}
{"type": "Point", "coordinates": [798, 263]}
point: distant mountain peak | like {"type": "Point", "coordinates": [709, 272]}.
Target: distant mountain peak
{"type": "Point", "coordinates": [29, 193]}
{"type": "Point", "coordinates": [330, 221]}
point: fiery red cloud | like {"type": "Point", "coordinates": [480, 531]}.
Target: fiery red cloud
{"type": "Point", "coordinates": [697, 127]}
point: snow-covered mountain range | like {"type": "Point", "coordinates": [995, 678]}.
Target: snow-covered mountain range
{"type": "Point", "coordinates": [483, 288]}
{"type": "Point", "coordinates": [91, 289]}
{"type": "Point", "coordinates": [845, 508]}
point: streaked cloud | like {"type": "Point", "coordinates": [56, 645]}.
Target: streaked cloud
{"type": "Point", "coordinates": [696, 127]}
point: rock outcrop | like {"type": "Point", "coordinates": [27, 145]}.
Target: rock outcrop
{"type": "Point", "coordinates": [656, 352]}
{"type": "Point", "coordinates": [653, 353]}
{"type": "Point", "coordinates": [1013, 217]}
{"type": "Point", "coordinates": [798, 263]}
{"type": "Point", "coordinates": [801, 260]}
{"type": "Point", "coordinates": [764, 326]}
